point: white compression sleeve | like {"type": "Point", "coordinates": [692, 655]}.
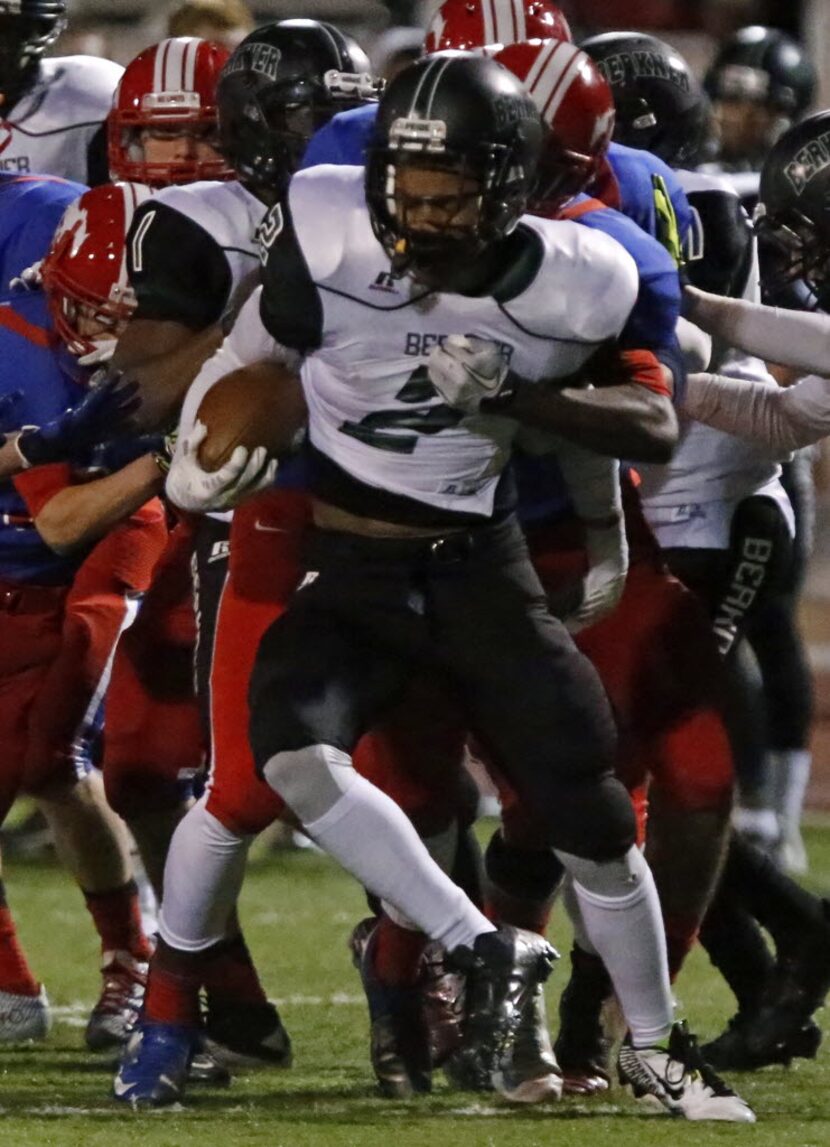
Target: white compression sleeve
{"type": "Point", "coordinates": [202, 878]}
{"type": "Point", "coordinates": [798, 339]}
{"type": "Point", "coordinates": [781, 419]}
{"type": "Point", "coordinates": [621, 917]}
{"type": "Point", "coordinates": [368, 834]}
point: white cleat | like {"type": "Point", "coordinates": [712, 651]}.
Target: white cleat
{"type": "Point", "coordinates": [677, 1079]}
{"type": "Point", "coordinates": [24, 1017]}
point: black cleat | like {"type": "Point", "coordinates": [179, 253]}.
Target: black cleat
{"type": "Point", "coordinates": [746, 1044]}
{"type": "Point", "coordinates": [582, 1046]}
{"type": "Point", "coordinates": [504, 969]}
{"type": "Point", "coordinates": [244, 1034]}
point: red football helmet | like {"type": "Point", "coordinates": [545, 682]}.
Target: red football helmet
{"type": "Point", "coordinates": [166, 104]}
{"type": "Point", "coordinates": [469, 24]}
{"type": "Point", "coordinates": [577, 107]}
{"type": "Point", "coordinates": [85, 271]}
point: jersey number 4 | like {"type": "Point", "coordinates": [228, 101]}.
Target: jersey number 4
{"type": "Point", "coordinates": [386, 429]}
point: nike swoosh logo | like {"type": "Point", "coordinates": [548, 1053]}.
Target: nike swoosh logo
{"type": "Point", "coordinates": [258, 525]}
{"type": "Point", "coordinates": [121, 1089]}
{"type": "Point", "coordinates": [486, 382]}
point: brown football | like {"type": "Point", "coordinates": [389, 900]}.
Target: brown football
{"type": "Point", "coordinates": [258, 405]}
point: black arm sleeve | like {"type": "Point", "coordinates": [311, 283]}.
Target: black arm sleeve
{"type": "Point", "coordinates": [97, 160]}
{"type": "Point", "coordinates": [722, 257]}
{"type": "Point", "coordinates": [290, 305]}
{"type": "Point", "coordinates": [178, 271]}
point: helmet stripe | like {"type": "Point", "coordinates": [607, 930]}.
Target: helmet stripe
{"type": "Point", "coordinates": [191, 51]}
{"type": "Point", "coordinates": [416, 95]}
{"type": "Point", "coordinates": [560, 89]}
{"type": "Point", "coordinates": [443, 65]}
{"type": "Point", "coordinates": [539, 65]}
{"type": "Point", "coordinates": [505, 21]}
{"type": "Point", "coordinates": [335, 45]}
{"type": "Point", "coordinates": [489, 10]}
{"type": "Point", "coordinates": [519, 21]}
{"type": "Point", "coordinates": [158, 67]}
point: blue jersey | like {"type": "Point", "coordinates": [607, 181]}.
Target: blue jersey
{"type": "Point", "coordinates": [37, 380]}
{"type": "Point", "coordinates": [30, 210]}
{"type": "Point", "coordinates": [644, 183]}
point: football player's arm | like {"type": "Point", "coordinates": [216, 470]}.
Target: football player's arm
{"type": "Point", "coordinates": [799, 339]}
{"type": "Point", "coordinates": [182, 283]}
{"type": "Point", "coordinates": [633, 418]}
{"type": "Point", "coordinates": [74, 516]}
{"type": "Point", "coordinates": [782, 420]}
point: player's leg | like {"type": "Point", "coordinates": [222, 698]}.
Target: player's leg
{"type": "Point", "coordinates": [64, 722]}
{"type": "Point", "coordinates": [153, 743]}
{"type": "Point", "coordinates": [787, 682]}
{"type": "Point", "coordinates": [585, 812]}
{"type": "Point", "coordinates": [29, 640]}
{"type": "Point", "coordinates": [325, 672]}
{"type": "Point", "coordinates": [204, 948]}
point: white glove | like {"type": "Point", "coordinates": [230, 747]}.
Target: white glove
{"type": "Point", "coordinates": [190, 487]}
{"type": "Point", "coordinates": [603, 585]}
{"type": "Point", "coordinates": [465, 370]}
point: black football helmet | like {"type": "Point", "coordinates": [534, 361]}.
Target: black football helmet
{"type": "Point", "coordinates": [463, 114]}
{"type": "Point", "coordinates": [763, 65]}
{"type": "Point", "coordinates": [793, 215]}
{"type": "Point", "coordinates": [660, 105]}
{"type": "Point", "coordinates": [28, 28]}
{"type": "Point", "coordinates": [282, 82]}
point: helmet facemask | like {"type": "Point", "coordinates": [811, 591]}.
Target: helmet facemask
{"type": "Point", "coordinates": [435, 213]}
{"type": "Point", "coordinates": [798, 251]}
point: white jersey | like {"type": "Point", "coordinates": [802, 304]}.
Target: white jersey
{"type": "Point", "coordinates": [50, 128]}
{"type": "Point", "coordinates": [192, 251]}
{"type": "Point", "coordinates": [689, 502]}
{"type": "Point", "coordinates": [373, 411]}
{"type": "Point", "coordinates": [229, 217]}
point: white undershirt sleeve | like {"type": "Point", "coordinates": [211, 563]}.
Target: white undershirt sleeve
{"type": "Point", "coordinates": [798, 339]}
{"type": "Point", "coordinates": [783, 420]}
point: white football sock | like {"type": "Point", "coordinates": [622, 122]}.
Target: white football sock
{"type": "Point", "coordinates": [202, 879]}
{"type": "Point", "coordinates": [366, 832]}
{"type": "Point", "coordinates": [621, 914]}
{"type": "Point", "coordinates": [790, 773]}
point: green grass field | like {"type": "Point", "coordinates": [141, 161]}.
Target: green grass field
{"type": "Point", "coordinates": [298, 910]}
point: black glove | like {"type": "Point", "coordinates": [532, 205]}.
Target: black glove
{"type": "Point", "coordinates": [103, 413]}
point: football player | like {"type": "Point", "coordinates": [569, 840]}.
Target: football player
{"type": "Point", "coordinates": [53, 110]}
{"type": "Point", "coordinates": [193, 256]}
{"type": "Point", "coordinates": [761, 81]}
{"type": "Point", "coordinates": [748, 502]}
{"type": "Point", "coordinates": [61, 625]}
{"type": "Point", "coordinates": [384, 495]}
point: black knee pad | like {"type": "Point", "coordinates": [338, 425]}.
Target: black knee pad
{"type": "Point", "coordinates": [524, 873]}
{"type": "Point", "coordinates": [594, 818]}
